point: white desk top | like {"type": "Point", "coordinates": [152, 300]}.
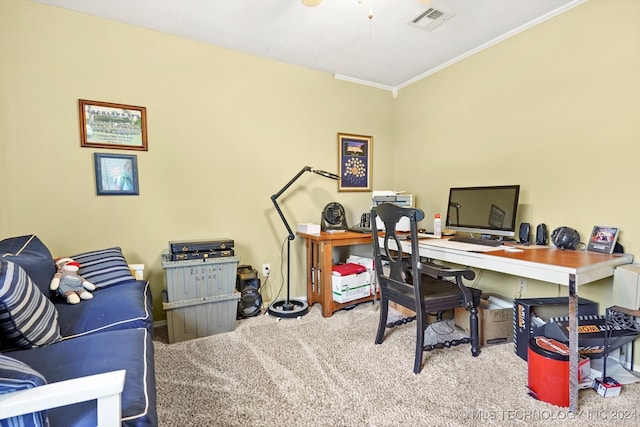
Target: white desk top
{"type": "Point", "coordinates": [467, 247]}
{"type": "Point", "coordinates": [544, 264]}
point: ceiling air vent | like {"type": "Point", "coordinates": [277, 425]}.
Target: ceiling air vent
{"type": "Point", "coordinates": [430, 19]}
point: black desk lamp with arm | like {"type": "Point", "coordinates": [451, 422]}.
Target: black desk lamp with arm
{"type": "Point", "coordinates": [289, 307]}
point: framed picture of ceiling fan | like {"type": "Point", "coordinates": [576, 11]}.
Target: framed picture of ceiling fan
{"type": "Point", "coordinates": [355, 154]}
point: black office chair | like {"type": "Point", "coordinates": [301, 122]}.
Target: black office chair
{"type": "Point", "coordinates": [419, 286]}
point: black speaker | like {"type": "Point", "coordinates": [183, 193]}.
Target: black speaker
{"type": "Point", "coordinates": [525, 233]}
{"type": "Point", "coordinates": [248, 284]}
{"type": "Point", "coordinates": [541, 234]}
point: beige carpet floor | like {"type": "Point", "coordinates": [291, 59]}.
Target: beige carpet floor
{"type": "Point", "coordinates": [328, 372]}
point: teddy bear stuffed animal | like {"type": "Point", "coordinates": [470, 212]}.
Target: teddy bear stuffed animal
{"type": "Point", "coordinates": [69, 284]}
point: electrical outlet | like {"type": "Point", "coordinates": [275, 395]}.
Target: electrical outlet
{"type": "Point", "coordinates": [522, 286]}
{"type": "Point", "coordinates": [266, 270]}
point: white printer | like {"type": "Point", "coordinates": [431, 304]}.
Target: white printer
{"type": "Point", "coordinates": [397, 197]}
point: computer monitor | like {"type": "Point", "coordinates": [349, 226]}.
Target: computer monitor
{"type": "Point", "coordinates": [484, 210]}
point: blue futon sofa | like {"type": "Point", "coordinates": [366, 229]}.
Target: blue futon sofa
{"type": "Point", "coordinates": [44, 340]}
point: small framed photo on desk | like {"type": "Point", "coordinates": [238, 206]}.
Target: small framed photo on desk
{"type": "Point", "coordinates": [603, 239]}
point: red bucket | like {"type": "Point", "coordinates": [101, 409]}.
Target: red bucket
{"type": "Point", "coordinates": [548, 362]}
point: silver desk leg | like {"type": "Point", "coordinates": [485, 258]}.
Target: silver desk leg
{"type": "Point", "coordinates": [573, 345]}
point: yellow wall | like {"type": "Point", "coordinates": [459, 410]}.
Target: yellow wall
{"type": "Point", "coordinates": [555, 109]}
{"type": "Point", "coordinates": [226, 131]}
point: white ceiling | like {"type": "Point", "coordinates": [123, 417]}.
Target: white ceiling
{"type": "Point", "coordinates": [337, 36]}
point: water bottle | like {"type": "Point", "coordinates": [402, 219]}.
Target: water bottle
{"type": "Point", "coordinates": [437, 225]}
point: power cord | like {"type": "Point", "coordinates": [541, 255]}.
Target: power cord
{"type": "Point", "coordinates": [475, 282]}
{"type": "Point", "coordinates": [265, 287]}
{"type": "Point", "coordinates": [281, 272]}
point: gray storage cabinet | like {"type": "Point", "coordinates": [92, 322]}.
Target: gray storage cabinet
{"type": "Point", "coordinates": [200, 298]}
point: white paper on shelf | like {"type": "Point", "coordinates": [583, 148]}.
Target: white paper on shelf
{"type": "Point", "coordinates": [614, 370]}
{"type": "Point", "coordinates": [499, 302]}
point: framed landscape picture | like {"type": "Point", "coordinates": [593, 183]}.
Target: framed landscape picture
{"type": "Point", "coordinates": [108, 125]}
{"type": "Point", "coordinates": [116, 174]}
{"type": "Point", "coordinates": [355, 160]}
{"type": "Point", "coordinates": [603, 239]}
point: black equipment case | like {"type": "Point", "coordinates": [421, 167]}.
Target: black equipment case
{"type": "Point", "coordinates": [182, 250]}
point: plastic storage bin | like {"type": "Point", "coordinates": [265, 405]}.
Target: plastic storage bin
{"type": "Point", "coordinates": [201, 317]}
{"type": "Point", "coordinates": [193, 279]}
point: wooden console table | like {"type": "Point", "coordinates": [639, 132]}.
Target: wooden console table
{"type": "Point", "coordinates": [319, 265]}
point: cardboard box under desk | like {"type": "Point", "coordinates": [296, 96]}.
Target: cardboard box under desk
{"type": "Point", "coordinates": [494, 324]}
{"type": "Point", "coordinates": [545, 309]}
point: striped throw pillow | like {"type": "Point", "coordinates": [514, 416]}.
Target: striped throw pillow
{"type": "Point", "coordinates": [27, 318]}
{"type": "Point", "coordinates": [30, 253]}
{"type": "Point", "coordinates": [16, 376]}
{"type": "Point", "coordinates": [104, 268]}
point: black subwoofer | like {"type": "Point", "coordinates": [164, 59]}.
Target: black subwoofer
{"type": "Point", "coordinates": [248, 284]}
